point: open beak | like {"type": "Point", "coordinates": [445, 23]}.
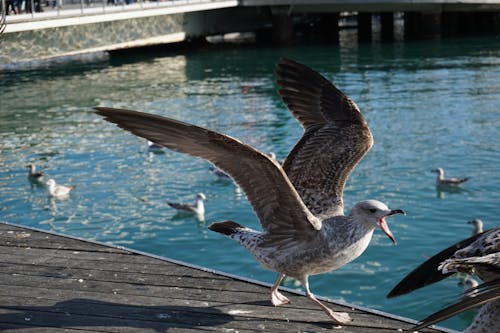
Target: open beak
{"type": "Point", "coordinates": [383, 224]}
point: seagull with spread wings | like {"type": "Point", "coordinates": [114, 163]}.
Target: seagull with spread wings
{"type": "Point", "coordinates": [299, 205]}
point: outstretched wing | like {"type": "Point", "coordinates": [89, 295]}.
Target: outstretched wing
{"type": "Point", "coordinates": [278, 206]}
{"type": "Point", "coordinates": [336, 137]}
{"type": "Point", "coordinates": [482, 294]}
{"type": "Point", "coordinates": [428, 272]}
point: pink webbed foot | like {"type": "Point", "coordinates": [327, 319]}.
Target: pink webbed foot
{"type": "Point", "coordinates": [278, 299]}
{"type": "Point", "coordinates": [339, 318]}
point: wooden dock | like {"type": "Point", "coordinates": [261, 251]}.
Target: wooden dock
{"type": "Point", "coordinates": [52, 283]}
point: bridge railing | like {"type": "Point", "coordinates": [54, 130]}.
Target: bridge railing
{"type": "Point", "coordinates": [27, 10]}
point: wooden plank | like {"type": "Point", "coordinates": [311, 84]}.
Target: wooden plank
{"type": "Point", "coordinates": [17, 237]}
{"type": "Point", "coordinates": [46, 288]}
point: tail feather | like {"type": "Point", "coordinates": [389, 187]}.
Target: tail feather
{"type": "Point", "coordinates": [226, 228]}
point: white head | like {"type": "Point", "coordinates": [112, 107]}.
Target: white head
{"type": "Point", "coordinates": [470, 283]}
{"type": "Point", "coordinates": [32, 168]}
{"type": "Point", "coordinates": [478, 225]}
{"type": "Point", "coordinates": [374, 212]}
{"type": "Point", "coordinates": [51, 182]}
{"type": "Point", "coordinates": [201, 196]}
{"type": "Point", "coordinates": [439, 171]}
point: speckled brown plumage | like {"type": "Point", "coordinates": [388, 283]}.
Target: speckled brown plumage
{"type": "Point", "coordinates": [304, 229]}
{"type": "Point", "coordinates": [336, 137]}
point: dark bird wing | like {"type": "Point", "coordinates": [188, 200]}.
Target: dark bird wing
{"type": "Point", "coordinates": [428, 273]}
{"type": "Point", "coordinates": [336, 137]}
{"type": "Point", "coordinates": [181, 206]}
{"type": "Point", "coordinates": [277, 204]}
{"type": "Point", "coordinates": [484, 293]}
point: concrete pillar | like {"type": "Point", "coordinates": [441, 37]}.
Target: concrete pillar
{"type": "Point", "coordinates": [422, 25]}
{"type": "Point", "coordinates": [387, 26]}
{"type": "Point", "coordinates": [411, 25]}
{"type": "Point", "coordinates": [450, 24]}
{"type": "Point", "coordinates": [495, 22]}
{"type": "Point", "coordinates": [487, 22]}
{"type": "Point", "coordinates": [328, 27]}
{"type": "Point", "coordinates": [467, 25]}
{"type": "Point", "coordinates": [431, 25]}
{"type": "Point", "coordinates": [282, 25]}
{"type": "Point", "coordinates": [364, 26]}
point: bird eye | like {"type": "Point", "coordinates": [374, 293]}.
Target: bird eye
{"type": "Point", "coordinates": [373, 210]}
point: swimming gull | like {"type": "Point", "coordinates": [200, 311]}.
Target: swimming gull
{"type": "Point", "coordinates": [478, 226]}
{"type": "Point", "coordinates": [442, 181]}
{"type": "Point", "coordinates": [219, 173]}
{"type": "Point", "coordinates": [478, 255]}
{"type": "Point", "coordinates": [153, 147]}
{"type": "Point", "coordinates": [34, 175]}
{"type": "Point", "coordinates": [198, 207]}
{"type": "Point", "coordinates": [58, 191]}
{"type": "Point", "coordinates": [299, 206]}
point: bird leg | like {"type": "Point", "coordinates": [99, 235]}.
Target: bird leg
{"type": "Point", "coordinates": [277, 298]}
{"type": "Point", "coordinates": [338, 317]}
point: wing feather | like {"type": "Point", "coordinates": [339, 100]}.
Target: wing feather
{"type": "Point", "coordinates": [484, 293]}
{"type": "Point", "coordinates": [336, 137]}
{"type": "Point", "coordinates": [277, 204]}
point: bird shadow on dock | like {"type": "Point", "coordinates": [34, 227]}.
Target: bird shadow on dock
{"type": "Point", "coordinates": [80, 312]}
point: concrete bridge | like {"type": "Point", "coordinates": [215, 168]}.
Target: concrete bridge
{"type": "Point", "coordinates": [87, 29]}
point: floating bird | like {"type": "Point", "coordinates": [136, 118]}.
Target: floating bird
{"type": "Point", "coordinates": [479, 255]}
{"type": "Point", "coordinates": [34, 175]}
{"type": "Point", "coordinates": [58, 191]}
{"type": "Point", "coordinates": [219, 173]}
{"type": "Point", "coordinates": [441, 181]}
{"type": "Point", "coordinates": [198, 208]}
{"type": "Point", "coordinates": [478, 226]}
{"type": "Point", "coordinates": [154, 148]}
{"type": "Point", "coordinates": [299, 205]}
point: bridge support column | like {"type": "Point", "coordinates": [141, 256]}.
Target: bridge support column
{"type": "Point", "coordinates": [450, 23]}
{"type": "Point", "coordinates": [422, 25]}
{"type": "Point", "coordinates": [329, 27]}
{"type": "Point", "coordinates": [364, 26]}
{"type": "Point", "coordinates": [282, 25]}
{"type": "Point", "coordinates": [488, 22]}
{"type": "Point", "coordinates": [387, 26]}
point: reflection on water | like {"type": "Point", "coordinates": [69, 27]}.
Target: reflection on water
{"type": "Point", "coordinates": [428, 103]}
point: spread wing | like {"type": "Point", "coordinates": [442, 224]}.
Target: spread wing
{"type": "Point", "coordinates": [482, 294]}
{"type": "Point", "coordinates": [335, 139]}
{"type": "Point", "coordinates": [277, 204]}
{"type": "Point", "coordinates": [429, 271]}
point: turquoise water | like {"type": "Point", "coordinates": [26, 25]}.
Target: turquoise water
{"type": "Point", "coordinates": [429, 104]}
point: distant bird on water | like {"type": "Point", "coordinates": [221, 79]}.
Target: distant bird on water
{"type": "Point", "coordinates": [58, 191]}
{"type": "Point", "coordinates": [34, 175]}
{"type": "Point", "coordinates": [478, 226]}
{"type": "Point", "coordinates": [442, 181]}
{"type": "Point", "coordinates": [198, 208]}
{"type": "Point", "coordinates": [219, 173]}
{"type": "Point", "coordinates": [300, 205]}
{"type": "Point", "coordinates": [154, 148]}
{"type": "Point", "coordinates": [478, 255]}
